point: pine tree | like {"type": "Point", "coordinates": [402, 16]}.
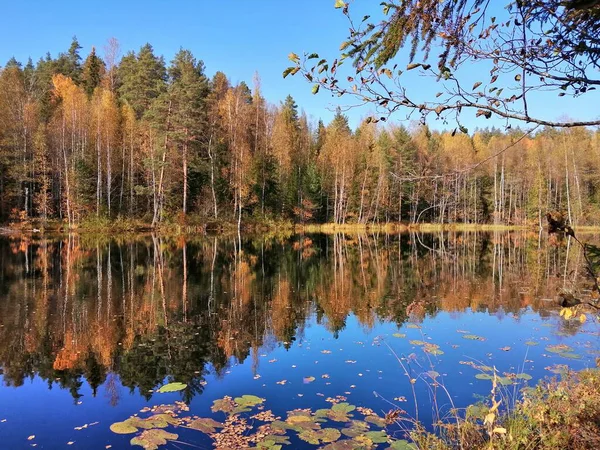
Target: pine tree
{"type": "Point", "coordinates": [92, 72]}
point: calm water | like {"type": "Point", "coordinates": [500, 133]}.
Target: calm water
{"type": "Point", "coordinates": [90, 327]}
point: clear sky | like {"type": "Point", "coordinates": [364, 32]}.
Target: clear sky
{"type": "Point", "coordinates": [238, 37]}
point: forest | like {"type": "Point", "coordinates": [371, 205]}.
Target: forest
{"type": "Point", "coordinates": [107, 139]}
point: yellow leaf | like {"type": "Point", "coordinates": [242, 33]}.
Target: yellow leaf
{"type": "Point", "coordinates": [489, 419]}
{"type": "Point", "coordinates": [500, 430]}
{"type": "Point", "coordinates": [582, 318]}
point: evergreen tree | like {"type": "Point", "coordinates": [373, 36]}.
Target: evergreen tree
{"type": "Point", "coordinates": [92, 72]}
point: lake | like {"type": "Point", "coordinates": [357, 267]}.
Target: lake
{"type": "Point", "coordinates": [352, 326]}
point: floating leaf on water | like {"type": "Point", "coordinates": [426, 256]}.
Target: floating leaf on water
{"type": "Point", "coordinates": [375, 420]}
{"type": "Point", "coordinates": [433, 374]}
{"type": "Point", "coordinates": [399, 335]}
{"type": "Point", "coordinates": [569, 355]}
{"type": "Point", "coordinates": [473, 337]}
{"type": "Point", "coordinates": [531, 343]}
{"type": "Point", "coordinates": [323, 436]}
{"type": "Point", "coordinates": [524, 376]}
{"type": "Point", "coordinates": [484, 376]}
{"type": "Point", "coordinates": [307, 380]}
{"type": "Point", "coordinates": [433, 349]}
{"type": "Point", "coordinates": [123, 428]}
{"type": "Point", "coordinates": [416, 342]}
{"type": "Point", "coordinates": [151, 439]}
{"type": "Point", "coordinates": [477, 411]}
{"type": "Point", "coordinates": [504, 381]}
{"type": "Point", "coordinates": [377, 437]}
{"type": "Point", "coordinates": [206, 426]}
{"type": "Point", "coordinates": [249, 400]}
{"type": "Point", "coordinates": [172, 387]}
{"type": "Point", "coordinates": [343, 407]}
{"type": "Point", "coordinates": [559, 369]}
{"type": "Point", "coordinates": [402, 445]}
{"type": "Point", "coordinates": [559, 348]}
{"type": "Point", "coordinates": [414, 326]}
{"type": "Point", "coordinates": [346, 444]}
{"type": "Point", "coordinates": [225, 405]}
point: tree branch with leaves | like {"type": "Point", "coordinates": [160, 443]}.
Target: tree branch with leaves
{"type": "Point", "coordinates": [545, 47]}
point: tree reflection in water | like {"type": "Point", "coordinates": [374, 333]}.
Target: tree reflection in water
{"type": "Point", "coordinates": [137, 311]}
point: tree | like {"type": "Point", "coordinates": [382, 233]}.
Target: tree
{"type": "Point", "coordinates": [530, 48]}
{"type": "Point", "coordinates": [92, 72]}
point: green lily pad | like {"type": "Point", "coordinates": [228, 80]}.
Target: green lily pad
{"type": "Point", "coordinates": [402, 445]}
{"type": "Point", "coordinates": [123, 428]}
{"type": "Point", "coordinates": [172, 387]}
{"type": "Point", "coordinates": [399, 335]}
{"type": "Point", "coordinates": [225, 405]}
{"type": "Point", "coordinates": [524, 376]}
{"type": "Point", "coordinates": [484, 376]}
{"type": "Point", "coordinates": [473, 337]}
{"type": "Point", "coordinates": [151, 439]}
{"type": "Point", "coordinates": [358, 427]}
{"type": "Point", "coordinates": [531, 343]}
{"type": "Point", "coordinates": [416, 342]}
{"type": "Point", "coordinates": [377, 437]}
{"type": "Point", "coordinates": [559, 348]}
{"type": "Point", "coordinates": [249, 400]}
{"type": "Point", "coordinates": [322, 436]}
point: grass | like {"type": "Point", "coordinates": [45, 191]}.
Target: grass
{"type": "Point", "coordinates": [555, 414]}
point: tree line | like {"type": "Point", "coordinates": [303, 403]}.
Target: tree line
{"type": "Point", "coordinates": [133, 137]}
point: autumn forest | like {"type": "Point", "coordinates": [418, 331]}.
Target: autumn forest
{"type": "Point", "coordinates": [89, 139]}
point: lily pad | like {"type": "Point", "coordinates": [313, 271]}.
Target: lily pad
{"type": "Point", "coordinates": [123, 428]}
{"type": "Point", "coordinates": [473, 337]}
{"type": "Point", "coordinates": [323, 436]}
{"type": "Point", "coordinates": [417, 342]}
{"type": "Point", "coordinates": [524, 376]}
{"type": "Point", "coordinates": [172, 387]}
{"type": "Point", "coordinates": [207, 426]}
{"type": "Point", "coordinates": [151, 439]}
{"type": "Point", "coordinates": [249, 400]}
{"type": "Point", "coordinates": [399, 335]}
{"type": "Point", "coordinates": [402, 445]}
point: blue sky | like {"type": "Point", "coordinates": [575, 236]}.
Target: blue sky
{"type": "Point", "coordinates": [238, 37]}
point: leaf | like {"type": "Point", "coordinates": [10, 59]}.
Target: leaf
{"type": "Point", "coordinates": [476, 85]}
{"type": "Point", "coordinates": [312, 56]}
{"type": "Point", "coordinates": [402, 445]}
{"type": "Point", "coordinates": [249, 400]}
{"type": "Point", "coordinates": [287, 71]}
{"type": "Point", "coordinates": [399, 335]}
{"type": "Point", "coordinates": [225, 405]}
{"type": "Point", "coordinates": [151, 439]}
{"type": "Point", "coordinates": [339, 4]}
{"type": "Point", "coordinates": [517, 77]}
{"type": "Point", "coordinates": [377, 437]}
{"type": "Point", "coordinates": [317, 437]}
{"type": "Point", "coordinates": [315, 89]}
{"type": "Point", "coordinates": [415, 342]}
{"type": "Point", "coordinates": [307, 380]}
{"type": "Point", "coordinates": [499, 430]}
{"type": "Point", "coordinates": [473, 337]}
{"type": "Point", "coordinates": [123, 428]}
{"type": "Point", "coordinates": [524, 376]}
{"type": "Point", "coordinates": [413, 66]}
{"type": "Point", "coordinates": [294, 58]}
{"type": "Point", "coordinates": [172, 387]}
{"type": "Point", "coordinates": [206, 426]}
{"type": "Point", "coordinates": [484, 376]}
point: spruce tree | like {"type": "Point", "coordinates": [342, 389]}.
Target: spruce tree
{"type": "Point", "coordinates": [92, 72]}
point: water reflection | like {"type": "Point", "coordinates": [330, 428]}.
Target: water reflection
{"type": "Point", "coordinates": [136, 311]}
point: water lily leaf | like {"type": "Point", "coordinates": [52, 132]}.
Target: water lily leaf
{"type": "Point", "coordinates": [531, 343]}
{"type": "Point", "coordinates": [249, 400]}
{"type": "Point", "coordinates": [399, 335]}
{"type": "Point", "coordinates": [402, 445]}
{"type": "Point", "coordinates": [316, 437]}
{"type": "Point", "coordinates": [413, 325]}
{"type": "Point", "coordinates": [172, 387]}
{"type": "Point", "coordinates": [357, 427]}
{"type": "Point", "coordinates": [559, 348]}
{"type": "Point", "coordinates": [504, 381]}
{"type": "Point", "coordinates": [375, 420]}
{"type": "Point", "coordinates": [207, 426]}
{"type": "Point", "coordinates": [433, 349]}
{"type": "Point", "coordinates": [307, 380]}
{"type": "Point", "coordinates": [473, 337]}
{"type": "Point", "coordinates": [477, 411]}
{"type": "Point", "coordinates": [151, 439]}
{"type": "Point", "coordinates": [343, 407]}
{"type": "Point", "coordinates": [225, 405]}
{"type": "Point", "coordinates": [123, 428]}
{"type": "Point", "coordinates": [569, 355]}
{"type": "Point", "coordinates": [415, 342]}
{"type": "Point", "coordinates": [346, 444]}
{"type": "Point", "coordinates": [524, 376]}
{"type": "Point", "coordinates": [377, 437]}
{"type": "Point", "coordinates": [484, 376]}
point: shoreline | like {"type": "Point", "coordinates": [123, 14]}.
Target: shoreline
{"type": "Point", "coordinates": [224, 227]}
